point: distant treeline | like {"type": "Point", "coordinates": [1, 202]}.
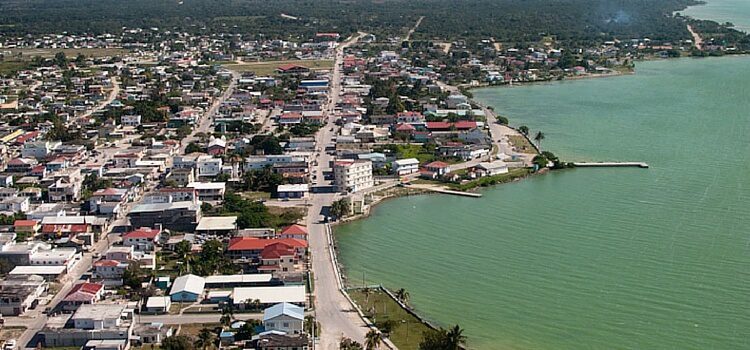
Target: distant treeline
{"type": "Point", "coordinates": [573, 21]}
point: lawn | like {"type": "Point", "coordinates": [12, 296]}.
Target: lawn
{"type": "Point", "coordinates": [408, 330]}
{"type": "Point", "coordinates": [269, 67]}
{"type": "Point", "coordinates": [412, 151]}
{"type": "Point", "coordinates": [193, 329]}
{"type": "Point", "coordinates": [11, 67]}
{"type": "Point", "coordinates": [491, 180]}
{"type": "Point", "coordinates": [521, 144]}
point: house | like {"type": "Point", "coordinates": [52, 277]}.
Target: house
{"type": "Point", "coordinates": [181, 176]}
{"type": "Point", "coordinates": [436, 169]}
{"type": "Point", "coordinates": [109, 269]}
{"type": "Point", "coordinates": [284, 317]}
{"type": "Point", "coordinates": [273, 341]}
{"type": "Point", "coordinates": [39, 149]}
{"type": "Point", "coordinates": [133, 120]}
{"type": "Point", "coordinates": [278, 257]}
{"type": "Point", "coordinates": [21, 165]}
{"type": "Point", "coordinates": [20, 293]}
{"type": "Point", "coordinates": [294, 294]}
{"type": "Point", "coordinates": [251, 247]}
{"type": "Point", "coordinates": [292, 69]}
{"type": "Point", "coordinates": [352, 176]}
{"type": "Point", "coordinates": [29, 228]}
{"type": "Point", "coordinates": [143, 239]}
{"type": "Point", "coordinates": [208, 166]}
{"type": "Point", "coordinates": [82, 293]}
{"type": "Point", "coordinates": [187, 288]}
{"type": "Point", "coordinates": [492, 168]}
{"type": "Point", "coordinates": [290, 118]}
{"type": "Point", "coordinates": [217, 225]}
{"type": "Point", "coordinates": [295, 231]}
{"type": "Point", "coordinates": [292, 191]}
{"type": "Point", "coordinates": [209, 191]}
{"type": "Point", "coordinates": [158, 305]}
{"type": "Point", "coordinates": [15, 205]}
{"type": "Point", "coordinates": [405, 166]}
{"type": "Point", "coordinates": [217, 146]}
{"type": "Point", "coordinates": [99, 322]}
{"type": "Point", "coordinates": [120, 253]}
{"type": "Point", "coordinates": [49, 273]}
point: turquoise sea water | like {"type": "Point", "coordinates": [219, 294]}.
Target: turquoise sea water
{"type": "Point", "coordinates": [653, 258]}
{"type": "Point", "coordinates": [735, 11]}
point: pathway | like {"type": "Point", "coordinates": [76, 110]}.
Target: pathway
{"type": "Point", "coordinates": [411, 31]}
{"type": "Point", "coordinates": [697, 40]}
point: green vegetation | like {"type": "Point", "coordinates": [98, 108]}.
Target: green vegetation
{"type": "Point", "coordinates": [424, 153]}
{"type": "Point", "coordinates": [491, 180]}
{"type": "Point", "coordinates": [512, 21]}
{"type": "Point", "coordinates": [444, 339]}
{"type": "Point", "coordinates": [252, 214]}
{"type": "Point", "coordinates": [521, 144]}
{"type": "Point", "coordinates": [401, 327]}
{"type": "Point", "coordinates": [269, 67]}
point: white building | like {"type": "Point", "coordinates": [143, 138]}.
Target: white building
{"type": "Point", "coordinates": [406, 166]}
{"type": "Point", "coordinates": [39, 149]}
{"type": "Point", "coordinates": [131, 120]}
{"type": "Point", "coordinates": [209, 191]}
{"type": "Point", "coordinates": [67, 257]}
{"type": "Point", "coordinates": [208, 166]}
{"type": "Point", "coordinates": [352, 176]}
{"type": "Point", "coordinates": [284, 317]}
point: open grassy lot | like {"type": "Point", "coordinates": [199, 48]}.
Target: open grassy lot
{"type": "Point", "coordinates": [11, 333]}
{"type": "Point", "coordinates": [379, 307]}
{"type": "Point", "coordinates": [521, 144]}
{"type": "Point", "coordinates": [491, 180]}
{"type": "Point", "coordinates": [193, 329]}
{"type": "Point", "coordinates": [269, 67]}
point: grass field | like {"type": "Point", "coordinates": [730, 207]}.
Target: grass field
{"type": "Point", "coordinates": [269, 67]}
{"type": "Point", "coordinates": [407, 331]}
{"type": "Point", "coordinates": [521, 144]}
{"type": "Point", "coordinates": [193, 329]}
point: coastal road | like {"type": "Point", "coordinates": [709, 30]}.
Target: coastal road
{"type": "Point", "coordinates": [332, 309]}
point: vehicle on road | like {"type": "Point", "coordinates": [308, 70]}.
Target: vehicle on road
{"type": "Point", "coordinates": [10, 344]}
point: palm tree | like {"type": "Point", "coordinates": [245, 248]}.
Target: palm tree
{"type": "Point", "coordinates": [348, 344]}
{"type": "Point", "coordinates": [455, 338]}
{"type": "Point", "coordinates": [402, 295]}
{"type": "Point", "coordinates": [373, 339]}
{"type": "Point", "coordinates": [523, 129]}
{"type": "Point", "coordinates": [206, 338]}
{"type": "Point", "coordinates": [538, 138]}
{"type": "Point", "coordinates": [226, 316]}
{"type": "Point", "coordinates": [367, 291]}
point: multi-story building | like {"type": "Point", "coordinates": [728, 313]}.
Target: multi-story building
{"type": "Point", "coordinates": [352, 175]}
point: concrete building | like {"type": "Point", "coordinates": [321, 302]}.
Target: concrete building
{"type": "Point", "coordinates": [217, 225]}
{"type": "Point", "coordinates": [19, 293]}
{"type": "Point", "coordinates": [178, 216]}
{"type": "Point", "coordinates": [158, 305]}
{"type": "Point", "coordinates": [292, 191]}
{"type": "Point", "coordinates": [89, 322]}
{"type": "Point", "coordinates": [284, 317]}
{"type": "Point", "coordinates": [352, 176]}
{"type": "Point", "coordinates": [209, 191]}
{"type": "Point", "coordinates": [406, 166]}
{"type": "Point", "coordinates": [143, 239]}
{"type": "Point", "coordinates": [269, 295]}
{"type": "Point", "coordinates": [187, 288]}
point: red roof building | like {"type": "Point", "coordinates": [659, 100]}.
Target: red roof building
{"type": "Point", "coordinates": [143, 238]}
{"type": "Point", "coordinates": [250, 247]}
{"type": "Point", "coordinates": [82, 293]}
{"type": "Point", "coordinates": [294, 231]}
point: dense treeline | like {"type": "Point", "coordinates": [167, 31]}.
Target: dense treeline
{"type": "Point", "coordinates": [577, 22]}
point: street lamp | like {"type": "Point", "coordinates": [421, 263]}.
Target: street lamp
{"type": "Point", "coordinates": [407, 330]}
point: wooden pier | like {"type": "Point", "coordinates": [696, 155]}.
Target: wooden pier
{"type": "Point", "coordinates": [610, 164]}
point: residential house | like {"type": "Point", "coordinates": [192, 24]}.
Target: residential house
{"type": "Point", "coordinates": [209, 191]}
{"type": "Point", "coordinates": [405, 166]}
{"type": "Point", "coordinates": [295, 231]}
{"type": "Point", "coordinates": [20, 293]}
{"type": "Point", "coordinates": [82, 293]}
{"type": "Point", "coordinates": [187, 288]}
{"type": "Point", "coordinates": [143, 239]}
{"type": "Point", "coordinates": [284, 317]}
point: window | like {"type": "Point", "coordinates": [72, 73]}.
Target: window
{"type": "Point", "coordinates": [286, 324]}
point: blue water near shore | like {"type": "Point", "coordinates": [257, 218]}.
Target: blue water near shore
{"type": "Point", "coordinates": [735, 11]}
{"type": "Point", "coordinates": [621, 258]}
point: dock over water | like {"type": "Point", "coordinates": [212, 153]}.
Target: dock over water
{"type": "Point", "coordinates": [610, 164]}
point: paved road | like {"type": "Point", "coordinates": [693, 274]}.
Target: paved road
{"type": "Point", "coordinates": [102, 105]}
{"type": "Point", "coordinates": [205, 122]}
{"type": "Point", "coordinates": [411, 31]}
{"type": "Point", "coordinates": [332, 309]}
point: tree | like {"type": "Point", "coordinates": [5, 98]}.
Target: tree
{"type": "Point", "coordinates": [538, 138]}
{"type": "Point", "coordinates": [373, 339]}
{"type": "Point", "coordinates": [177, 342]}
{"type": "Point", "coordinates": [348, 344]}
{"type": "Point", "coordinates": [193, 147]}
{"type": "Point", "coordinates": [247, 330]}
{"type": "Point", "coordinates": [60, 60]}
{"type": "Point", "coordinates": [340, 208]}
{"type": "Point", "coordinates": [502, 120]}
{"type": "Point", "coordinates": [523, 129]}
{"type": "Point", "coordinates": [226, 316]}
{"type": "Point", "coordinates": [206, 338]}
{"type": "Point", "coordinates": [455, 338]}
{"type": "Point", "coordinates": [403, 295]}
{"type": "Point", "coordinates": [387, 326]}
{"type": "Point", "coordinates": [133, 275]}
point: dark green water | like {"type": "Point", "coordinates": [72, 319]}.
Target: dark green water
{"type": "Point", "coordinates": [653, 258]}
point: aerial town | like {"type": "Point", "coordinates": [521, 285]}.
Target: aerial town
{"type": "Point", "coordinates": [159, 187]}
